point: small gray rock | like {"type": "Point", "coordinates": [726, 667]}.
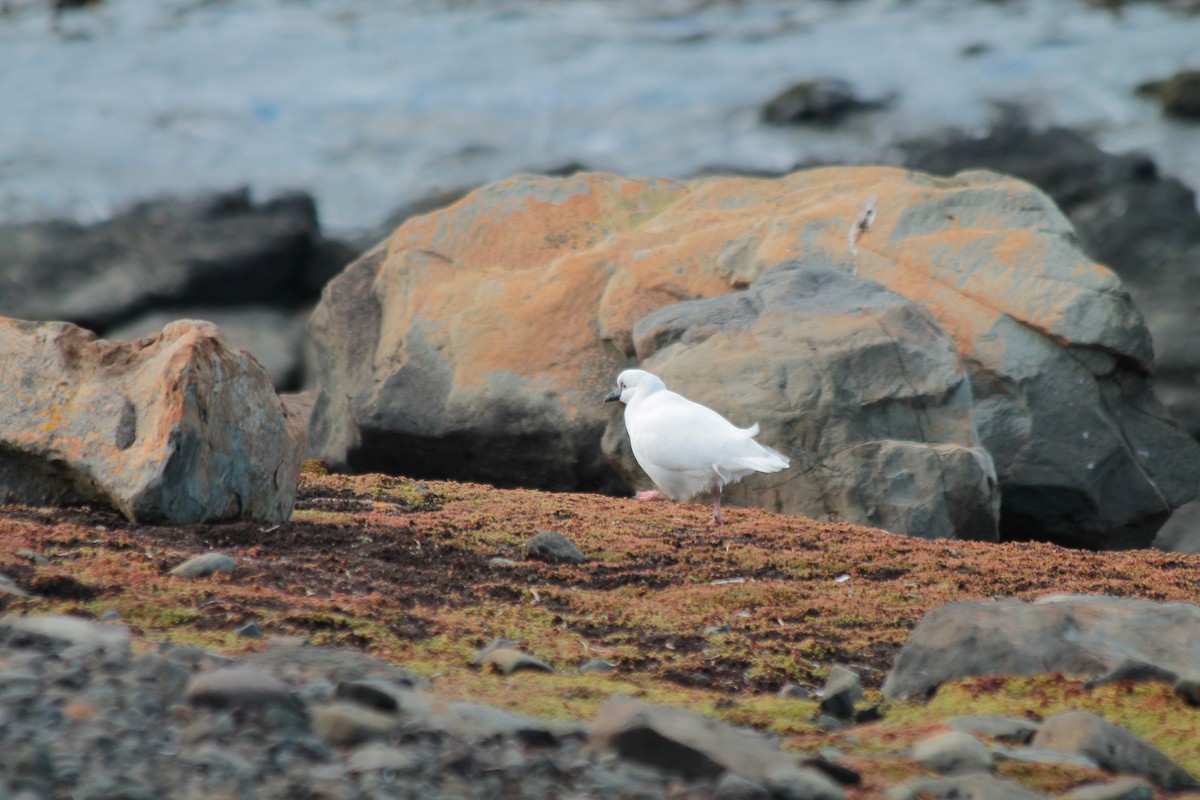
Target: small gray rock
{"type": "Point", "coordinates": [341, 723]}
{"type": "Point", "coordinates": [843, 688]}
{"type": "Point", "coordinates": [977, 786]}
{"type": "Point", "coordinates": [1127, 789]}
{"type": "Point", "coordinates": [1134, 670]}
{"type": "Point", "coordinates": [508, 661]}
{"type": "Point", "coordinates": [379, 756]}
{"type": "Point", "coordinates": [795, 783]}
{"type": "Point", "coordinates": [205, 565]}
{"type": "Point", "coordinates": [249, 631]}
{"type": "Point", "coordinates": [953, 753]}
{"type": "Point", "coordinates": [240, 687]}
{"type": "Point", "coordinates": [794, 691]}
{"type": "Point", "coordinates": [1005, 729]}
{"type": "Point", "coordinates": [1188, 687]}
{"type": "Point", "coordinates": [553, 547]}
{"type": "Point", "coordinates": [599, 665]}
{"type": "Point", "coordinates": [7, 586]}
{"type": "Point", "coordinates": [732, 786]}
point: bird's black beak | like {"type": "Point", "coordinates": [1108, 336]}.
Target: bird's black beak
{"type": "Point", "coordinates": [615, 394]}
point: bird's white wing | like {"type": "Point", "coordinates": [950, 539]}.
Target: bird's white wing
{"type": "Point", "coordinates": [674, 433]}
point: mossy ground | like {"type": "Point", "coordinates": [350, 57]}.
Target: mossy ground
{"type": "Point", "coordinates": [711, 620]}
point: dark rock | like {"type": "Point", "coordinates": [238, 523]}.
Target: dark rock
{"type": "Point", "coordinates": [1134, 671]}
{"type": "Point", "coordinates": [204, 565]}
{"type": "Point", "coordinates": [1011, 637]}
{"type": "Point", "coordinates": [821, 101]}
{"type": "Point", "coordinates": [1113, 748]}
{"type": "Point", "coordinates": [1178, 94]}
{"type": "Point", "coordinates": [249, 631]}
{"type": "Point", "coordinates": [1005, 729]}
{"type": "Point", "coordinates": [554, 548]}
{"type": "Point", "coordinates": [218, 248]}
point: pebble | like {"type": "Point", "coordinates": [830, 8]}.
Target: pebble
{"type": "Point", "coordinates": [553, 547]}
{"type": "Point", "coordinates": [205, 565]}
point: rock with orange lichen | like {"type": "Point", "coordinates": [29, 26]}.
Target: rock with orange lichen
{"type": "Point", "coordinates": [477, 341]}
{"type": "Point", "coordinates": [176, 428]}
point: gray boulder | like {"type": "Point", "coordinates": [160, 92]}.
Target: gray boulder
{"type": "Point", "coordinates": [177, 428]}
{"type": "Point", "coordinates": [1073, 634]}
{"type": "Point", "coordinates": [859, 384]}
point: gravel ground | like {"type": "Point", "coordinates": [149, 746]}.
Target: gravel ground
{"type": "Point", "coordinates": [82, 716]}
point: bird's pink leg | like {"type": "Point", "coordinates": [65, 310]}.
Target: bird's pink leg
{"type": "Point", "coordinates": [716, 520]}
{"type": "Point", "coordinates": [653, 494]}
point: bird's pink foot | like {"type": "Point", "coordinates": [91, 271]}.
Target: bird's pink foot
{"type": "Point", "coordinates": [651, 495]}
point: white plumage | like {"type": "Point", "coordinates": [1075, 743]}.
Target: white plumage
{"type": "Point", "coordinates": [684, 447]}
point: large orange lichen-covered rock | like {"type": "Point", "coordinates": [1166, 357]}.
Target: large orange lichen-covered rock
{"type": "Point", "coordinates": [179, 427]}
{"type": "Point", "coordinates": [477, 341]}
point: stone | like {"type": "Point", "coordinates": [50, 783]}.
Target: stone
{"type": "Point", "coordinates": [1124, 789]}
{"type": "Point", "coordinates": [204, 565]}
{"type": "Point", "coordinates": [695, 747]}
{"type": "Point", "coordinates": [897, 452]}
{"type": "Point", "coordinates": [475, 722]}
{"type": "Point", "coordinates": [1012, 637]}
{"type": "Point", "coordinates": [1179, 94]}
{"type": "Point", "coordinates": [56, 632]}
{"type": "Point", "coordinates": [1143, 225]}
{"type": "Point", "coordinates": [953, 753]}
{"type": "Point", "coordinates": [379, 756]}
{"type": "Point", "coordinates": [178, 428]}
{"type": "Point", "coordinates": [823, 101]}
{"type": "Point", "coordinates": [1134, 671]}
{"type": "Point", "coordinates": [250, 630]}
{"type": "Point", "coordinates": [1188, 687]}
{"type": "Point", "coordinates": [554, 548]}
{"type": "Point", "coordinates": [975, 786]}
{"type": "Point", "coordinates": [1005, 729]}
{"type": "Point", "coordinates": [214, 248]}
{"type": "Point", "coordinates": [341, 724]}
{"type": "Point", "coordinates": [843, 688]}
{"type": "Point", "coordinates": [481, 655]}
{"type": "Point", "coordinates": [1056, 357]}
{"type": "Point", "coordinates": [240, 687]}
{"type": "Point", "coordinates": [794, 691]}
{"type": "Point", "coordinates": [508, 661]}
{"type": "Point", "coordinates": [598, 666]}
{"type": "Point", "coordinates": [1113, 748]}
{"type": "Point", "coordinates": [796, 783]}
{"type": "Point", "coordinates": [732, 786]}
{"type": "Point", "coordinates": [9, 586]}
{"type": "Point", "coordinates": [274, 336]}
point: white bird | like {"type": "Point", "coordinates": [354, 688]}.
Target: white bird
{"type": "Point", "coordinates": [684, 447]}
